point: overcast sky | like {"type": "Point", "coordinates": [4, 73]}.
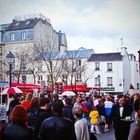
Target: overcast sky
{"type": "Point", "coordinates": [96, 24]}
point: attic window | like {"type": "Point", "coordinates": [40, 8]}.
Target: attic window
{"type": "Point", "coordinates": [17, 23]}
{"type": "Point", "coordinates": [28, 22]}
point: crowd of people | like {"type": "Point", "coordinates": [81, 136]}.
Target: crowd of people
{"type": "Point", "coordinates": [79, 117]}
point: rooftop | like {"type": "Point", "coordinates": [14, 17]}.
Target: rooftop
{"type": "Point", "coordinates": [106, 57]}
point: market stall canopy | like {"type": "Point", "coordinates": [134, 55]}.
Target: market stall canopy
{"type": "Point", "coordinates": [11, 90]}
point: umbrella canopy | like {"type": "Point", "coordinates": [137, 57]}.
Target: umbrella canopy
{"type": "Point", "coordinates": [11, 90]}
{"type": "Point", "coordinates": [68, 93]}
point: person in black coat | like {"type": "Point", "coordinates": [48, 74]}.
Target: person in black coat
{"type": "Point", "coordinates": [44, 112]}
{"type": "Point", "coordinates": [17, 129]}
{"type": "Point", "coordinates": [13, 103]}
{"type": "Point", "coordinates": [121, 115]}
{"type": "Point", "coordinates": [57, 127]}
{"type": "Point", "coordinates": [68, 109]}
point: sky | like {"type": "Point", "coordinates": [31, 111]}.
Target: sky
{"type": "Point", "coordinates": [92, 24]}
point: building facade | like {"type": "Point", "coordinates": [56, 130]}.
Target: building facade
{"type": "Point", "coordinates": [67, 67]}
{"type": "Point", "coordinates": [114, 72]}
{"type": "Point", "coordinates": [26, 37]}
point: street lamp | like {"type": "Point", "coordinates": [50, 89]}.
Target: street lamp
{"type": "Point", "coordinates": [10, 59]}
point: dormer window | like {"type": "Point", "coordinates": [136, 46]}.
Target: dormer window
{"type": "Point", "coordinates": [23, 35]}
{"type": "Point", "coordinates": [27, 22]}
{"type": "Point", "coordinates": [17, 23]}
{"type": "Point", "coordinates": [12, 36]}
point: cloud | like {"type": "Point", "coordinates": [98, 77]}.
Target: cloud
{"type": "Point", "coordinates": [92, 23]}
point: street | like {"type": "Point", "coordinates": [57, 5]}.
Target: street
{"type": "Point", "coordinates": [111, 136]}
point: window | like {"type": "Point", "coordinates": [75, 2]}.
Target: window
{"type": "Point", "coordinates": [137, 70]}
{"type": "Point", "coordinates": [12, 36]}
{"type": "Point", "coordinates": [1, 77]}
{"type": "Point", "coordinates": [79, 63]}
{"type": "Point", "coordinates": [97, 81]}
{"type": "Point", "coordinates": [23, 35]}
{"type": "Point", "coordinates": [0, 50]}
{"type": "Point", "coordinates": [109, 81]}
{"type": "Point", "coordinates": [97, 66]}
{"type": "Point", "coordinates": [0, 65]}
{"type": "Point", "coordinates": [109, 66]}
{"type": "Point", "coordinates": [23, 63]}
{"type": "Point", "coordinates": [17, 23]}
{"type": "Point", "coordinates": [28, 22]}
{"type": "Point", "coordinates": [24, 78]}
{"type": "Point", "coordinates": [78, 78]}
{"type": "Point", "coordinates": [40, 78]}
{"type": "Point", "coordinates": [138, 86]}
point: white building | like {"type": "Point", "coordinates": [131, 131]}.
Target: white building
{"type": "Point", "coordinates": [114, 72]}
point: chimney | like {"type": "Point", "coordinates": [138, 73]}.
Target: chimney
{"type": "Point", "coordinates": [123, 51]}
{"type": "Point", "coordinates": [139, 60]}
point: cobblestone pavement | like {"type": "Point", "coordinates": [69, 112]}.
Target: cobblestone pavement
{"type": "Point", "coordinates": [110, 135]}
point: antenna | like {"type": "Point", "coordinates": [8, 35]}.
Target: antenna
{"type": "Point", "coordinates": [121, 39]}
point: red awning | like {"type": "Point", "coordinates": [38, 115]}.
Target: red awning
{"type": "Point", "coordinates": [27, 88]}
{"type": "Point", "coordinates": [26, 85]}
{"type": "Point", "coordinates": [77, 88]}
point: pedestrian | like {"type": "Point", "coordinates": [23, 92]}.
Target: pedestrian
{"type": "Point", "coordinates": [94, 120]}
{"type": "Point", "coordinates": [44, 111]}
{"type": "Point", "coordinates": [108, 107]}
{"type": "Point", "coordinates": [26, 103]}
{"type": "Point", "coordinates": [136, 131]}
{"type": "Point", "coordinates": [57, 127]}
{"type": "Point", "coordinates": [14, 102]}
{"type": "Point", "coordinates": [18, 128]}
{"type": "Point", "coordinates": [121, 115]}
{"type": "Point", "coordinates": [81, 125]}
{"type": "Point", "coordinates": [33, 115]}
{"type": "Point", "coordinates": [68, 109]}
{"type": "Point", "coordinates": [137, 106]}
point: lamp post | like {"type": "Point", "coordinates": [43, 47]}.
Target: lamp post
{"type": "Point", "coordinates": [10, 59]}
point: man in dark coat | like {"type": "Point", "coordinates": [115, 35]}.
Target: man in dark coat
{"type": "Point", "coordinates": [57, 127]}
{"type": "Point", "coordinates": [121, 116]}
{"type": "Point", "coordinates": [13, 103]}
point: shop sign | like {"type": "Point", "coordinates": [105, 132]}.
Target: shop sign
{"type": "Point", "coordinates": [108, 89]}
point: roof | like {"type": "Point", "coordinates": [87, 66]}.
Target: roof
{"type": "Point", "coordinates": [83, 53]}
{"type": "Point", "coordinates": [24, 24]}
{"type": "Point", "coordinates": [3, 26]}
{"type": "Point", "coordinates": [106, 57]}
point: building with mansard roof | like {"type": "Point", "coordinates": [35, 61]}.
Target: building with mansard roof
{"type": "Point", "coordinates": [26, 37]}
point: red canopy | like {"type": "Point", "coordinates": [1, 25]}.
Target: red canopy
{"type": "Point", "coordinates": [77, 88]}
{"type": "Point", "coordinates": [26, 88]}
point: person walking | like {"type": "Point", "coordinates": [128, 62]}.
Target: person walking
{"type": "Point", "coordinates": [57, 127]}
{"type": "Point", "coordinates": [18, 128]}
{"type": "Point", "coordinates": [94, 115]}
{"type": "Point", "coordinates": [121, 115]}
{"type": "Point", "coordinates": [14, 102]}
{"type": "Point", "coordinates": [81, 125]}
{"type": "Point", "coordinates": [26, 103]}
{"type": "Point", "coordinates": [33, 115]}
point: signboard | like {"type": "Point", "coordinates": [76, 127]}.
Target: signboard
{"type": "Point", "coordinates": [108, 88]}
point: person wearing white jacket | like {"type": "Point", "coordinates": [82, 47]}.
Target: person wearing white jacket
{"type": "Point", "coordinates": [81, 125]}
